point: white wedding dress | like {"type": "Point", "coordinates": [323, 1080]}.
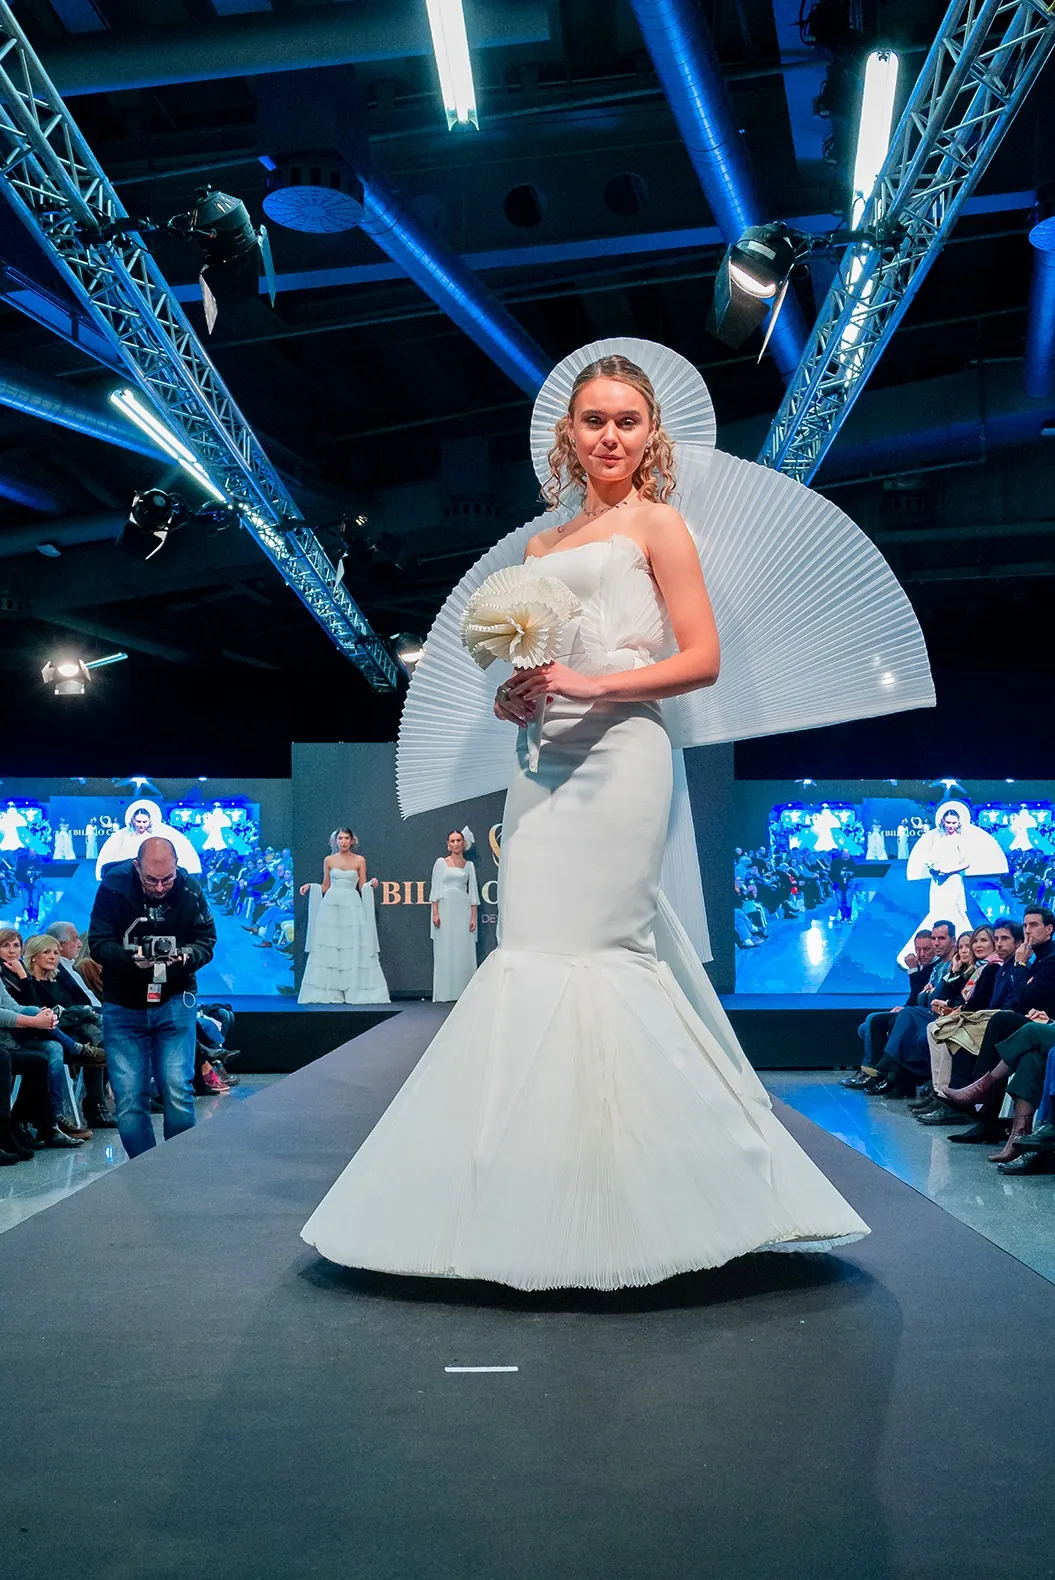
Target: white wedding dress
{"type": "Point", "coordinates": [454, 892]}
{"type": "Point", "coordinates": [343, 963]}
{"type": "Point", "coordinates": [585, 1116]}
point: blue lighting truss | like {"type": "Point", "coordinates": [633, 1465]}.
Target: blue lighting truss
{"type": "Point", "coordinates": [984, 60]}
{"type": "Point", "coordinates": [56, 186]}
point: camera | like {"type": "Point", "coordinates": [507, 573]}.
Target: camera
{"type": "Point", "coordinates": [157, 946]}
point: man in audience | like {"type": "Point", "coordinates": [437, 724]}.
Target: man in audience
{"type": "Point", "coordinates": [876, 1028]}
{"type": "Point", "coordinates": [149, 1010]}
{"type": "Point", "coordinates": [1034, 992]}
{"type": "Point", "coordinates": [906, 1063]}
{"type": "Point", "coordinates": [72, 990]}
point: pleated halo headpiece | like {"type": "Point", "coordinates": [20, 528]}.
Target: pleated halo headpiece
{"type": "Point", "coordinates": [685, 405]}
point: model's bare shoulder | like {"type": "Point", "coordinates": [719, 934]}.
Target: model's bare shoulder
{"type": "Point", "coordinates": [536, 545]}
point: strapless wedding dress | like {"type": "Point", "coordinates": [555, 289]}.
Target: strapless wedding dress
{"type": "Point", "coordinates": [585, 1116]}
{"type": "Point", "coordinates": [343, 965]}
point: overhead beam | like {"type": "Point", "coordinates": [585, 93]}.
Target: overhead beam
{"type": "Point", "coordinates": [255, 45]}
{"type": "Point", "coordinates": [547, 254]}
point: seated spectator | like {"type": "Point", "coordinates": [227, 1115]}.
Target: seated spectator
{"type": "Point", "coordinates": [1036, 1151]}
{"type": "Point", "coordinates": [876, 1028]}
{"type": "Point", "coordinates": [83, 1008]}
{"type": "Point", "coordinates": [24, 1036]}
{"type": "Point", "coordinates": [73, 1041]}
{"type": "Point", "coordinates": [906, 1063]}
{"type": "Point", "coordinates": [1033, 990]}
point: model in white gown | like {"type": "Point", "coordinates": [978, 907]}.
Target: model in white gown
{"type": "Point", "coordinates": [343, 965]}
{"type": "Point", "coordinates": [876, 849]}
{"type": "Point", "coordinates": [455, 900]}
{"type": "Point", "coordinates": [63, 849]}
{"type": "Point", "coordinates": [585, 1116]}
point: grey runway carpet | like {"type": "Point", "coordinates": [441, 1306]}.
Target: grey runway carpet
{"type": "Point", "coordinates": [189, 1391]}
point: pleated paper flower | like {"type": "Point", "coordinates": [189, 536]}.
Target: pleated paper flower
{"type": "Point", "coordinates": [519, 616]}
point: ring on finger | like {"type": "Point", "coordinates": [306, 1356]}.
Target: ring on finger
{"type": "Point", "coordinates": [503, 693]}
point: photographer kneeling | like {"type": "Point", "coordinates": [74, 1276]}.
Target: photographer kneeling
{"type": "Point", "coordinates": [150, 931]}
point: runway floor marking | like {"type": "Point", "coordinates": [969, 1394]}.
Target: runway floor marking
{"type": "Point", "coordinates": [481, 1368]}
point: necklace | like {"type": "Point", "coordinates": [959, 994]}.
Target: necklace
{"type": "Point", "coordinates": [591, 515]}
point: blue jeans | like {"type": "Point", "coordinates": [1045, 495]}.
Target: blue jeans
{"type": "Point", "coordinates": [157, 1041]}
{"type": "Point", "coordinates": [874, 1032]}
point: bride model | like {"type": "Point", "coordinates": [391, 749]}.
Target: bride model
{"type": "Point", "coordinates": [455, 902]}
{"type": "Point", "coordinates": [343, 965]}
{"type": "Point", "coordinates": [585, 1117]}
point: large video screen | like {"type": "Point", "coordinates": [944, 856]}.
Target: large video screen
{"type": "Point", "coordinates": [832, 879]}
{"type": "Point", "coordinates": [57, 836]}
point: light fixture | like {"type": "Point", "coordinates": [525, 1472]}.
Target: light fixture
{"type": "Point", "coordinates": [753, 278]}
{"type": "Point", "coordinates": [154, 514]}
{"type": "Point", "coordinates": [451, 49]}
{"type": "Point", "coordinates": [69, 677]}
{"type": "Point", "coordinates": [873, 133]}
{"type": "Point", "coordinates": [134, 408]}
{"type": "Point", "coordinates": [234, 251]}
{"type": "Point", "coordinates": [410, 650]}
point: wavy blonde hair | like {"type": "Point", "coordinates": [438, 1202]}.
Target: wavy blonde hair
{"type": "Point", "coordinates": [35, 946]}
{"type": "Point", "coordinates": [654, 478]}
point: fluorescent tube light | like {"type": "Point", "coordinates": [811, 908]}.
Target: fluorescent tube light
{"type": "Point", "coordinates": [451, 48]}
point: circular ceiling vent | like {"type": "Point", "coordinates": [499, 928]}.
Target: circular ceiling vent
{"type": "Point", "coordinates": [314, 192]}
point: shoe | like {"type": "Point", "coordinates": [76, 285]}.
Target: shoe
{"type": "Point", "coordinates": [1029, 1163]}
{"type": "Point", "coordinates": [68, 1128]}
{"type": "Point", "coordinates": [925, 1100]}
{"type": "Point", "coordinates": [1042, 1139]}
{"type": "Point", "coordinates": [10, 1143]}
{"type": "Point", "coordinates": [984, 1131]}
{"type": "Point", "coordinates": [884, 1086]}
{"type": "Point", "coordinates": [225, 1075]}
{"type": "Point", "coordinates": [8, 1159]}
{"type": "Point", "coordinates": [57, 1141]}
{"type": "Point", "coordinates": [941, 1114]}
{"type": "Point", "coordinates": [856, 1082]}
{"type": "Point", "coordinates": [100, 1119]}
{"type": "Point", "coordinates": [213, 1083]}
{"type": "Point", "coordinates": [25, 1138]}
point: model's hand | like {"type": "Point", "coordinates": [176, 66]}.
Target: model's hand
{"type": "Point", "coordinates": [435, 917]}
{"type": "Point", "coordinates": [509, 707]}
{"type": "Point", "coordinates": [304, 888]}
{"type": "Point", "coordinates": [373, 883]}
{"type": "Point", "coordinates": [472, 924]}
{"type": "Point", "coordinates": [554, 680]}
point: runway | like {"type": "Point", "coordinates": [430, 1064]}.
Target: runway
{"type": "Point", "coordinates": [190, 1391]}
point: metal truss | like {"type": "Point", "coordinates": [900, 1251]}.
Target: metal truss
{"type": "Point", "coordinates": [983, 62]}
{"type": "Point", "coordinates": [54, 183]}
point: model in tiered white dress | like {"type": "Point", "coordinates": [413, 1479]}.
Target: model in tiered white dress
{"type": "Point", "coordinates": [455, 900]}
{"type": "Point", "coordinates": [343, 965]}
{"type": "Point", "coordinates": [585, 1117]}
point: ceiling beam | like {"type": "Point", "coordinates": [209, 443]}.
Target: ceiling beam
{"type": "Point", "coordinates": [255, 45]}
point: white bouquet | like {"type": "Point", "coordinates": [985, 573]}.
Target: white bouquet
{"type": "Point", "coordinates": [519, 616]}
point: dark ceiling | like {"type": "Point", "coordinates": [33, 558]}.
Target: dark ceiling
{"type": "Point", "coordinates": [578, 192]}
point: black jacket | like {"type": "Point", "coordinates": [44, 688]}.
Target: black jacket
{"type": "Point", "coordinates": [1035, 984]}
{"type": "Point", "coordinates": [183, 913]}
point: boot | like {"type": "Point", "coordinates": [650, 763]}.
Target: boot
{"type": "Point", "coordinates": [1020, 1124]}
{"type": "Point", "coordinates": [9, 1142]}
{"type": "Point", "coordinates": [978, 1091]}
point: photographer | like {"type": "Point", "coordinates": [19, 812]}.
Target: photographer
{"type": "Point", "coordinates": [150, 931]}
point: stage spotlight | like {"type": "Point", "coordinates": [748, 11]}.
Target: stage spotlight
{"type": "Point", "coordinates": [234, 251]}
{"type": "Point", "coordinates": [154, 514]}
{"type": "Point", "coordinates": [873, 136]}
{"type": "Point", "coordinates": [410, 650]}
{"type": "Point", "coordinates": [752, 280]}
{"type": "Point", "coordinates": [451, 49]}
{"type": "Point", "coordinates": [69, 677]}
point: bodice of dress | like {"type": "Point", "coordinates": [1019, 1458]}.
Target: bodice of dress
{"type": "Point", "coordinates": [346, 875]}
{"type": "Point", "coordinates": [453, 880]}
{"type": "Point", "coordinates": [623, 622]}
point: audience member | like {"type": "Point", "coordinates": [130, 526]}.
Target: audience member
{"type": "Point", "coordinates": [876, 1028]}
{"type": "Point", "coordinates": [83, 1007]}
{"type": "Point", "coordinates": [992, 989]}
{"type": "Point", "coordinates": [31, 1124]}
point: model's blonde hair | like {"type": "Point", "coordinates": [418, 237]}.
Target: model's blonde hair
{"type": "Point", "coordinates": [654, 478]}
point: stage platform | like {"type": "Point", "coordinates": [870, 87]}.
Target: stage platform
{"type": "Point", "coordinates": [804, 1031]}
{"type": "Point", "coordinates": [191, 1392]}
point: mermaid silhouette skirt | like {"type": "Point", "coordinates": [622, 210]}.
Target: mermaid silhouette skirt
{"type": "Point", "coordinates": [584, 1117]}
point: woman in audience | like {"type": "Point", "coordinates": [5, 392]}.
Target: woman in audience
{"type": "Point", "coordinates": [24, 1034]}
{"type": "Point", "coordinates": [42, 964]}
